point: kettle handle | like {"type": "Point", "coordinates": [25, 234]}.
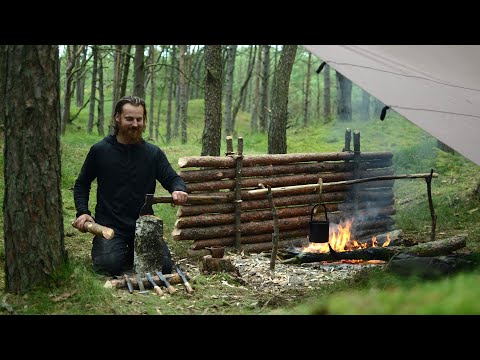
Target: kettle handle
{"type": "Point", "coordinates": [311, 213]}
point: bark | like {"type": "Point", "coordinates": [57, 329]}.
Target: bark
{"type": "Point", "coordinates": [431, 248]}
{"type": "Point", "coordinates": [276, 159]}
{"type": "Point", "coordinates": [80, 77]}
{"type": "Point", "coordinates": [139, 72]}
{"type": "Point", "coordinates": [277, 133]}
{"type": "Point", "coordinates": [212, 131]}
{"type": "Point", "coordinates": [269, 170]}
{"type": "Point", "coordinates": [33, 216]}
{"type": "Point", "coordinates": [212, 265]}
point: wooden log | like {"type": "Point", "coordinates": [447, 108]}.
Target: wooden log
{"type": "Point", "coordinates": [151, 252]}
{"type": "Point", "coordinates": [256, 248]}
{"type": "Point", "coordinates": [289, 180]}
{"type": "Point", "coordinates": [274, 159]}
{"type": "Point", "coordinates": [171, 278]}
{"type": "Point", "coordinates": [259, 215]}
{"type": "Point", "coordinates": [357, 181]}
{"type": "Point", "coordinates": [431, 248]}
{"type": "Point", "coordinates": [212, 265]}
{"type": "Point", "coordinates": [260, 227]}
{"type": "Point", "coordinates": [250, 239]}
{"type": "Point", "coordinates": [298, 200]}
{"type": "Point", "coordinates": [258, 204]}
{"type": "Point", "coordinates": [192, 176]}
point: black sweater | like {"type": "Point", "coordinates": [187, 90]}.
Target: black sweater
{"type": "Point", "coordinates": [125, 174]}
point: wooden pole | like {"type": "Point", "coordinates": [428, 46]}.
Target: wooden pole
{"type": "Point", "coordinates": [275, 234]}
{"type": "Point", "coordinates": [356, 166]}
{"type": "Point", "coordinates": [430, 204]}
{"type": "Point", "coordinates": [348, 138]}
{"type": "Point", "coordinates": [229, 141]}
{"type": "Point", "coordinates": [238, 193]}
{"type": "Point", "coordinates": [347, 182]}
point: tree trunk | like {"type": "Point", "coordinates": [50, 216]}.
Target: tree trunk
{"type": "Point", "coordinates": [93, 89]}
{"type": "Point", "coordinates": [101, 97]}
{"type": "Point", "coordinates": [183, 94]}
{"type": "Point", "coordinates": [139, 72]}
{"type": "Point", "coordinates": [152, 91]}
{"type": "Point", "coordinates": [125, 68]}
{"type": "Point", "coordinates": [115, 86]}
{"type": "Point", "coordinates": [306, 103]}
{"type": "Point", "coordinates": [80, 77]}
{"type": "Point", "coordinates": [256, 93]}
{"type": "Point", "coordinates": [344, 109]}
{"type": "Point", "coordinates": [33, 215]}
{"type": "Point", "coordinates": [365, 109]}
{"type": "Point", "coordinates": [327, 113]}
{"type": "Point", "coordinates": [171, 90]}
{"type": "Point", "coordinates": [263, 110]}
{"type": "Point", "coordinates": [212, 131]}
{"type": "Point", "coordinates": [231, 53]}
{"type": "Point", "coordinates": [277, 134]}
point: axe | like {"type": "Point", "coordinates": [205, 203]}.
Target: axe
{"type": "Point", "coordinates": [192, 199]}
{"type": "Point", "coordinates": [97, 229]}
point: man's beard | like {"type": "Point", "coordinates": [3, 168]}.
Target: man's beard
{"type": "Point", "coordinates": [132, 135]}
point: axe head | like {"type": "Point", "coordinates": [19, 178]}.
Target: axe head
{"type": "Point", "coordinates": [147, 207]}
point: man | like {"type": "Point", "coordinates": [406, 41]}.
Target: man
{"type": "Point", "coordinates": [126, 168]}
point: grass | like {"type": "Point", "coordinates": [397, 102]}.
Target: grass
{"type": "Point", "coordinates": [78, 290]}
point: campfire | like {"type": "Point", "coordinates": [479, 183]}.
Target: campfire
{"type": "Point", "coordinates": [340, 239]}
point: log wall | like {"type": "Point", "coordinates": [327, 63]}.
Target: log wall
{"type": "Point", "coordinates": [247, 218]}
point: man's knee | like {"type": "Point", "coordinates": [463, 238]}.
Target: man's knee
{"type": "Point", "coordinates": [112, 264]}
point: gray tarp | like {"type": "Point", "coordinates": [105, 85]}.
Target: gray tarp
{"type": "Point", "coordinates": [436, 87]}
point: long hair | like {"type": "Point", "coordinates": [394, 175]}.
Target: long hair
{"type": "Point", "coordinates": [135, 101]}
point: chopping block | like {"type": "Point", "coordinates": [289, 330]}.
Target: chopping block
{"type": "Point", "coordinates": [213, 264]}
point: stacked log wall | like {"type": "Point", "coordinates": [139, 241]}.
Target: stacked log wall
{"type": "Point", "coordinates": [370, 208]}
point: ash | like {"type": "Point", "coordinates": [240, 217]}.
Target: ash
{"type": "Point", "coordinates": [254, 269]}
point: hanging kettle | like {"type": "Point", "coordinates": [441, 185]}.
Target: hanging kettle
{"type": "Point", "coordinates": [319, 230]}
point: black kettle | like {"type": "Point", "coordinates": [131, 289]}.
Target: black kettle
{"type": "Point", "coordinates": [319, 230]}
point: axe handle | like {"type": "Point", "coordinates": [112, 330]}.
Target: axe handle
{"type": "Point", "coordinates": [193, 199]}
{"type": "Point", "coordinates": [99, 230]}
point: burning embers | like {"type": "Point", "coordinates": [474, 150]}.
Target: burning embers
{"type": "Point", "coordinates": [340, 240]}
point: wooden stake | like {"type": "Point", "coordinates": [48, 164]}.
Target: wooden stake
{"type": "Point", "coordinates": [275, 234]}
{"type": "Point", "coordinates": [430, 205]}
{"type": "Point", "coordinates": [238, 193]}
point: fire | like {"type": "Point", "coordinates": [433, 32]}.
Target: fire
{"type": "Point", "coordinates": [340, 240]}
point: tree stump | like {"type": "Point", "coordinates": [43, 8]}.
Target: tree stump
{"type": "Point", "coordinates": [151, 252]}
{"type": "Point", "coordinates": [211, 264]}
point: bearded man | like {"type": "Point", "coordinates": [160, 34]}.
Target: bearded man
{"type": "Point", "coordinates": [126, 168]}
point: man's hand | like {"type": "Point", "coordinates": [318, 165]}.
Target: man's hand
{"type": "Point", "coordinates": [79, 222]}
{"type": "Point", "coordinates": [179, 197]}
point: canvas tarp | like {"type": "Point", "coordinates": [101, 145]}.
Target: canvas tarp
{"type": "Point", "coordinates": [436, 87]}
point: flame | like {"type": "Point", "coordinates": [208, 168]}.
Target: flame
{"type": "Point", "coordinates": [340, 240]}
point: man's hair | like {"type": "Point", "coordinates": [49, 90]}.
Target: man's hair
{"type": "Point", "coordinates": [135, 101]}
